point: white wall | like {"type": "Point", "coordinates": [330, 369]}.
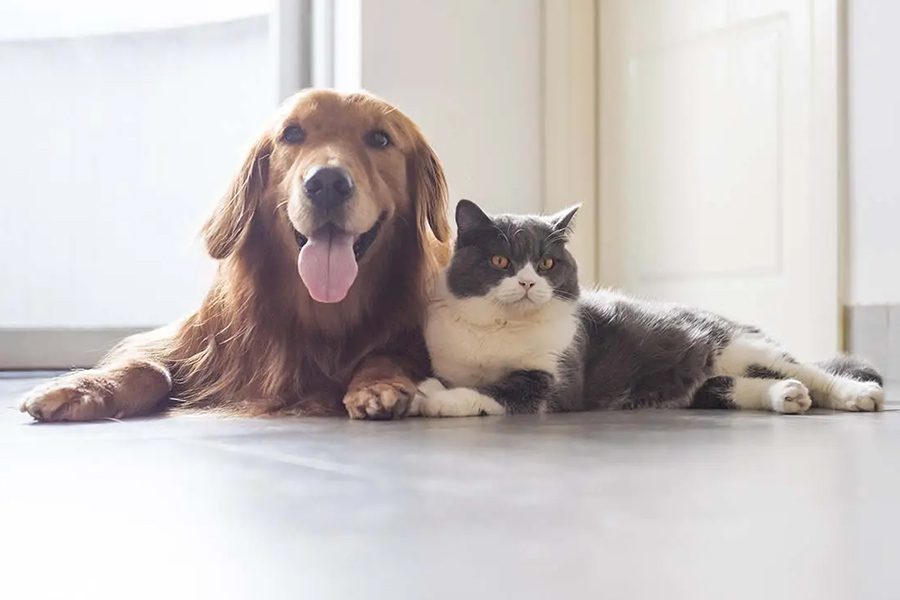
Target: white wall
{"type": "Point", "coordinates": [874, 135]}
{"type": "Point", "coordinates": [469, 72]}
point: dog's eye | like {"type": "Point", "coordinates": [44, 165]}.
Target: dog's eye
{"type": "Point", "coordinates": [378, 139]}
{"type": "Point", "coordinates": [546, 264]}
{"type": "Point", "coordinates": [500, 262]}
{"type": "Point", "coordinates": [293, 134]}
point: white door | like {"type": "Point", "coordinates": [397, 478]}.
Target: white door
{"type": "Point", "coordinates": [718, 160]}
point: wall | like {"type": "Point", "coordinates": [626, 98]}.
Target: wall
{"type": "Point", "coordinates": [874, 136]}
{"type": "Point", "coordinates": [873, 285]}
{"type": "Point", "coordinates": [469, 72]}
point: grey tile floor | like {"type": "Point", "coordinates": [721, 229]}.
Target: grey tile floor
{"type": "Point", "coordinates": [657, 504]}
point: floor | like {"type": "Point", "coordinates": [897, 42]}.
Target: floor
{"type": "Point", "coordinates": [658, 504]}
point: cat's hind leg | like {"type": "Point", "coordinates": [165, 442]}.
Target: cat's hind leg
{"type": "Point", "coordinates": [754, 356]}
{"type": "Point", "coordinates": [839, 393]}
{"type": "Point", "coordinates": [786, 396]}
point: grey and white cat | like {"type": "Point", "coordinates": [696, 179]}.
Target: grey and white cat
{"type": "Point", "coordinates": [510, 331]}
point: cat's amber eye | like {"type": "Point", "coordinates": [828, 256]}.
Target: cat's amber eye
{"type": "Point", "coordinates": [546, 264]}
{"type": "Point", "coordinates": [501, 262]}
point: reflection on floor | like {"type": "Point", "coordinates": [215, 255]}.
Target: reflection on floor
{"type": "Point", "coordinates": [657, 504]}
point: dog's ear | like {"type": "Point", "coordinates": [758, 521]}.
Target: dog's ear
{"type": "Point", "coordinates": [429, 188]}
{"type": "Point", "coordinates": [231, 217]}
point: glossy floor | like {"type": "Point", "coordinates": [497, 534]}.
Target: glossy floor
{"type": "Point", "coordinates": [658, 504]}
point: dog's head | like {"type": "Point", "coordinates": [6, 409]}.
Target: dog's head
{"type": "Point", "coordinates": [334, 175]}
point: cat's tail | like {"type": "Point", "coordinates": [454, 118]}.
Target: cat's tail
{"type": "Point", "coordinates": [852, 367]}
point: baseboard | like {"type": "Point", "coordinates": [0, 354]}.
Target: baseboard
{"type": "Point", "coordinates": [873, 332]}
{"type": "Point", "coordinates": [58, 348]}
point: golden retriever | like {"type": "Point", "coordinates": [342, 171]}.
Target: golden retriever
{"type": "Point", "coordinates": [327, 240]}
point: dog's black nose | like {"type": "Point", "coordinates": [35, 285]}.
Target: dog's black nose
{"type": "Point", "coordinates": [326, 187]}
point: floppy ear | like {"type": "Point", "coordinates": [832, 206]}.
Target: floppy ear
{"type": "Point", "coordinates": [430, 189]}
{"type": "Point", "coordinates": [562, 221]}
{"type": "Point", "coordinates": [229, 221]}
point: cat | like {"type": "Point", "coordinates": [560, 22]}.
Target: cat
{"type": "Point", "coordinates": [510, 331]}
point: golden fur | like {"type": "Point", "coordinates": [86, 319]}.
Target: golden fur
{"type": "Point", "coordinates": [259, 344]}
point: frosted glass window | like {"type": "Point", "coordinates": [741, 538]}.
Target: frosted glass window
{"type": "Point", "coordinates": [120, 125]}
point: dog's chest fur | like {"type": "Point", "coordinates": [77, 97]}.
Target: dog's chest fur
{"type": "Point", "coordinates": [472, 343]}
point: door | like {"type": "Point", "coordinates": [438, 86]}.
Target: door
{"type": "Point", "coordinates": [718, 160]}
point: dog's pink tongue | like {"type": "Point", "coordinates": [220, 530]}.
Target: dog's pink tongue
{"type": "Point", "coordinates": [327, 265]}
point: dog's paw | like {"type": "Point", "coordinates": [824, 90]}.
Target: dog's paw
{"type": "Point", "coordinates": [858, 396]}
{"type": "Point", "coordinates": [380, 400]}
{"type": "Point", "coordinates": [76, 397]}
{"type": "Point", "coordinates": [458, 402]}
{"type": "Point", "coordinates": [790, 397]}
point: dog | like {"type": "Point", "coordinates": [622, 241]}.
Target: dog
{"type": "Point", "coordinates": [327, 243]}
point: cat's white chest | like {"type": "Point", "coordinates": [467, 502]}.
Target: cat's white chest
{"type": "Point", "coordinates": [470, 345]}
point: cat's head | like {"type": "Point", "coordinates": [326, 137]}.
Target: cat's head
{"type": "Point", "coordinates": [518, 262]}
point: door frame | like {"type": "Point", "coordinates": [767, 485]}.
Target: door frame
{"type": "Point", "coordinates": [571, 136]}
{"type": "Point", "coordinates": [829, 161]}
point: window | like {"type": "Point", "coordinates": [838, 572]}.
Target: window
{"type": "Point", "coordinates": [122, 123]}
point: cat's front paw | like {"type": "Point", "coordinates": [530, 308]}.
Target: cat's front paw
{"type": "Point", "coordinates": [457, 402]}
{"type": "Point", "coordinates": [431, 386]}
{"type": "Point", "coordinates": [790, 397]}
{"type": "Point", "coordinates": [425, 388]}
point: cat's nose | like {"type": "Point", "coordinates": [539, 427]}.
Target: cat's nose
{"type": "Point", "coordinates": [526, 284]}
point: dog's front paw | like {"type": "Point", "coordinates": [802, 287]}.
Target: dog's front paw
{"type": "Point", "coordinates": [380, 400]}
{"type": "Point", "coordinates": [77, 397]}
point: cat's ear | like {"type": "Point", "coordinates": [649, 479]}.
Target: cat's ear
{"type": "Point", "coordinates": [562, 221]}
{"type": "Point", "coordinates": [469, 216]}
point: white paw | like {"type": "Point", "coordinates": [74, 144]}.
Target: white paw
{"type": "Point", "coordinates": [861, 396]}
{"type": "Point", "coordinates": [458, 402]}
{"type": "Point", "coordinates": [430, 386]}
{"type": "Point", "coordinates": [790, 397]}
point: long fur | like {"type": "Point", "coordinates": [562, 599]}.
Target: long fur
{"type": "Point", "coordinates": [259, 344]}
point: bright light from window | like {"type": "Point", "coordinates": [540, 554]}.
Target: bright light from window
{"type": "Point", "coordinates": [30, 19]}
{"type": "Point", "coordinates": [123, 121]}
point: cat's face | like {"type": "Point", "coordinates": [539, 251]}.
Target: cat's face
{"type": "Point", "coordinates": [518, 262]}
